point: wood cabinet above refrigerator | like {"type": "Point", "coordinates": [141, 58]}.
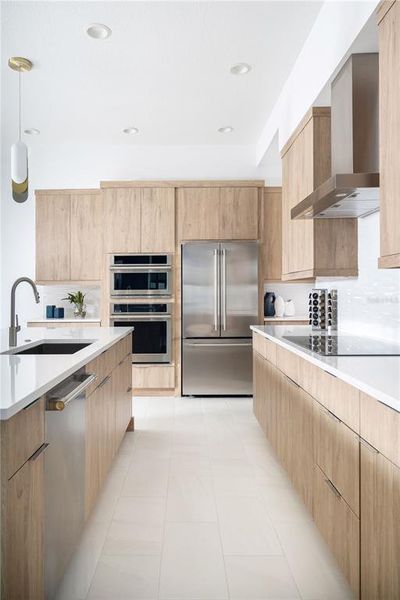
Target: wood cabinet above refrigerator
{"type": "Point", "coordinates": [322, 247]}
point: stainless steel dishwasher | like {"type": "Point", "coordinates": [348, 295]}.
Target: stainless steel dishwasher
{"type": "Point", "coordinates": [64, 475]}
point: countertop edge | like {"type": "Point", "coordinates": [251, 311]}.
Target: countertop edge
{"type": "Point", "coordinates": [7, 413]}
{"type": "Point", "coordinates": [357, 383]}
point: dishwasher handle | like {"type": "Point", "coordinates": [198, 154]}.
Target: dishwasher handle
{"type": "Point", "coordinates": [58, 403]}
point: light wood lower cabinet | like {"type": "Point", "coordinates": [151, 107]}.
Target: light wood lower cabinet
{"type": "Point", "coordinates": [123, 397]}
{"type": "Point", "coordinates": [146, 377]}
{"type": "Point", "coordinates": [339, 526]}
{"type": "Point", "coordinates": [22, 533]}
{"type": "Point", "coordinates": [380, 526]}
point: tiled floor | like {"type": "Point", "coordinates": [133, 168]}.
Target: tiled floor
{"type": "Point", "coordinates": [197, 508]}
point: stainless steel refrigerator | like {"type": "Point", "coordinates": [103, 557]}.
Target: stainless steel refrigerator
{"type": "Point", "coordinates": [219, 303]}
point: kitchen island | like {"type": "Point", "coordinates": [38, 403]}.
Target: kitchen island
{"type": "Point", "coordinates": [51, 406]}
{"type": "Point", "coordinates": [334, 423]}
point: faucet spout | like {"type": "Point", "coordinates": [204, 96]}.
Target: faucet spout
{"type": "Point", "coordinates": [14, 325]}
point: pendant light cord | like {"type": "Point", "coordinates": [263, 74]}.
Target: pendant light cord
{"type": "Point", "coordinates": [19, 105]}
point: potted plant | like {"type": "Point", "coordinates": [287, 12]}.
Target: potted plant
{"type": "Point", "coordinates": [78, 299]}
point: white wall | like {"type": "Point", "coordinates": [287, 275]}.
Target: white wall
{"type": "Point", "coordinates": [370, 304]}
{"type": "Point", "coordinates": [298, 292]}
{"type": "Point", "coordinates": [84, 165]}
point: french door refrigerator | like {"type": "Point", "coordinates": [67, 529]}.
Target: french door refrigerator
{"type": "Point", "coordinates": [219, 303]}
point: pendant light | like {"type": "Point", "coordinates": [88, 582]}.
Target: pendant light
{"type": "Point", "coordinates": [19, 150]}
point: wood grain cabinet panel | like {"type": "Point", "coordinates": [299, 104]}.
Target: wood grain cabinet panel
{"type": "Point", "coordinates": [198, 213]}
{"type": "Point", "coordinates": [158, 220]}
{"type": "Point", "coordinates": [339, 526]}
{"type": "Point", "coordinates": [337, 453]}
{"type": "Point", "coordinates": [380, 526]}
{"type": "Point", "coordinates": [86, 237]}
{"type": "Point", "coordinates": [122, 219]}
{"type": "Point", "coordinates": [380, 426]}
{"type": "Point", "coordinates": [271, 234]}
{"type": "Point", "coordinates": [265, 347]}
{"type": "Point", "coordinates": [53, 237]}
{"type": "Point", "coordinates": [389, 133]}
{"type": "Point", "coordinates": [324, 247]}
{"type": "Point", "coordinates": [238, 213]}
{"type": "Point", "coordinates": [22, 533]}
{"type": "Point", "coordinates": [153, 376]}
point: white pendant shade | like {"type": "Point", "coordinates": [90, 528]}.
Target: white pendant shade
{"type": "Point", "coordinates": [19, 171]}
{"type": "Point", "coordinates": [19, 162]}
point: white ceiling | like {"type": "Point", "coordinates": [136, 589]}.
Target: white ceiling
{"type": "Point", "coordinates": [165, 68]}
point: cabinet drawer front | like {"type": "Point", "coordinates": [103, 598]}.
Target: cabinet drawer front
{"type": "Point", "coordinates": [380, 426]}
{"type": "Point", "coordinates": [337, 453]}
{"type": "Point", "coordinates": [103, 364]}
{"type": "Point", "coordinates": [22, 435]}
{"type": "Point", "coordinates": [339, 526]}
{"type": "Point", "coordinates": [153, 377]}
{"type": "Point", "coordinates": [340, 398]}
{"type": "Point", "coordinates": [265, 347]}
{"type": "Point", "coordinates": [289, 363]}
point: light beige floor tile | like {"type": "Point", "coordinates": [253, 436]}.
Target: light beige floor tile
{"type": "Point", "coordinates": [137, 527]}
{"type": "Point", "coordinates": [245, 527]}
{"type": "Point", "coordinates": [192, 565]}
{"type": "Point", "coordinates": [146, 477]}
{"type": "Point", "coordinates": [190, 498]}
{"type": "Point", "coordinates": [283, 503]}
{"type": "Point", "coordinates": [259, 578]}
{"type": "Point", "coordinates": [125, 578]}
{"type": "Point", "coordinates": [312, 564]}
{"type": "Point", "coordinates": [236, 486]}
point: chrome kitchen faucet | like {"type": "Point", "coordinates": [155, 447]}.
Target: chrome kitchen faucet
{"type": "Point", "coordinates": [14, 325]}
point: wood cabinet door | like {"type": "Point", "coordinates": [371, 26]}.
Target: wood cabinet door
{"type": "Point", "coordinates": [158, 220]}
{"type": "Point", "coordinates": [238, 213]}
{"type": "Point", "coordinates": [198, 213]}
{"type": "Point", "coordinates": [86, 237]}
{"type": "Point", "coordinates": [53, 237]}
{"type": "Point", "coordinates": [271, 234]}
{"type": "Point", "coordinates": [94, 449]}
{"type": "Point", "coordinates": [389, 133]}
{"type": "Point", "coordinates": [122, 219]}
{"type": "Point", "coordinates": [123, 408]}
{"type": "Point", "coordinates": [22, 539]}
{"type": "Point", "coordinates": [380, 526]}
{"type": "Point", "coordinates": [302, 449]}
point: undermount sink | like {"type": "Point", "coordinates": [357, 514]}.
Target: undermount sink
{"type": "Point", "coordinates": [51, 348]}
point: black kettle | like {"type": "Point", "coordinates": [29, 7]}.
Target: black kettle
{"type": "Point", "coordinates": [269, 304]}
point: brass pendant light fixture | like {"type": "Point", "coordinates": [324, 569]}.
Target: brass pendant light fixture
{"type": "Point", "coordinates": [19, 150]}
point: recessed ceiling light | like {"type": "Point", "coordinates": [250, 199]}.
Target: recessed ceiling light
{"type": "Point", "coordinates": [31, 131]}
{"type": "Point", "coordinates": [131, 130]}
{"type": "Point", "coordinates": [98, 31]}
{"type": "Point", "coordinates": [240, 69]}
{"type": "Point", "coordinates": [225, 129]}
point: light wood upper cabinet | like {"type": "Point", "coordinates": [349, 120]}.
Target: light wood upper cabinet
{"type": "Point", "coordinates": [53, 237]}
{"type": "Point", "coordinates": [271, 234]}
{"type": "Point", "coordinates": [86, 236]}
{"type": "Point", "coordinates": [198, 213]}
{"type": "Point", "coordinates": [380, 526]}
{"type": "Point", "coordinates": [122, 219]}
{"type": "Point", "coordinates": [389, 132]}
{"type": "Point", "coordinates": [238, 213]}
{"type": "Point", "coordinates": [217, 213]}
{"type": "Point", "coordinates": [158, 220]}
{"type": "Point", "coordinates": [324, 247]}
{"type": "Point", "coordinates": [69, 235]}
{"type": "Point", "coordinates": [139, 219]}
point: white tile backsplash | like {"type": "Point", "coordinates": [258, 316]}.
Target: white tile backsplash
{"type": "Point", "coordinates": [369, 304]}
{"type": "Point", "coordinates": [53, 294]}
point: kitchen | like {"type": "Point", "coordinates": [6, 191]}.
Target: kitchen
{"type": "Point", "coordinates": [200, 344]}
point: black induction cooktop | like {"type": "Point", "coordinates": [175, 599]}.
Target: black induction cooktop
{"type": "Point", "coordinates": [344, 345]}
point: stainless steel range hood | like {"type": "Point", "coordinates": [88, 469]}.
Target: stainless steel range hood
{"type": "Point", "coordinates": [353, 189]}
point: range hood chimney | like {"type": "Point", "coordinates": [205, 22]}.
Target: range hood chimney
{"type": "Point", "coordinates": [353, 189]}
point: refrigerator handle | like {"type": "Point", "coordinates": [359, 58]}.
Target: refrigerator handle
{"type": "Point", "coordinates": [216, 289]}
{"type": "Point", "coordinates": [223, 289]}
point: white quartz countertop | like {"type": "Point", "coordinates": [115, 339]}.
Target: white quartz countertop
{"type": "Point", "coordinates": [378, 376]}
{"type": "Point", "coordinates": [74, 320]}
{"type": "Point", "coordinates": [24, 378]}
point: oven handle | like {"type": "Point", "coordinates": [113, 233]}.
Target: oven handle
{"type": "Point", "coordinates": [140, 317]}
{"type": "Point", "coordinates": [152, 269]}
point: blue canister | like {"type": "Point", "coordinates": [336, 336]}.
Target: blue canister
{"type": "Point", "coordinates": [269, 304]}
{"type": "Point", "coordinates": [58, 312]}
{"type": "Point", "coordinates": [50, 308]}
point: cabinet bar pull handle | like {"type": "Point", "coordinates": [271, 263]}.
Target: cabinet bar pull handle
{"type": "Point", "coordinates": [129, 389]}
{"type": "Point", "coordinates": [39, 451]}
{"type": "Point", "coordinates": [105, 380]}
{"type": "Point", "coordinates": [368, 446]}
{"type": "Point", "coordinates": [292, 380]}
{"type": "Point", "coordinates": [333, 488]}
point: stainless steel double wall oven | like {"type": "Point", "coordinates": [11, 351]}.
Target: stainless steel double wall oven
{"type": "Point", "coordinates": [141, 289]}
